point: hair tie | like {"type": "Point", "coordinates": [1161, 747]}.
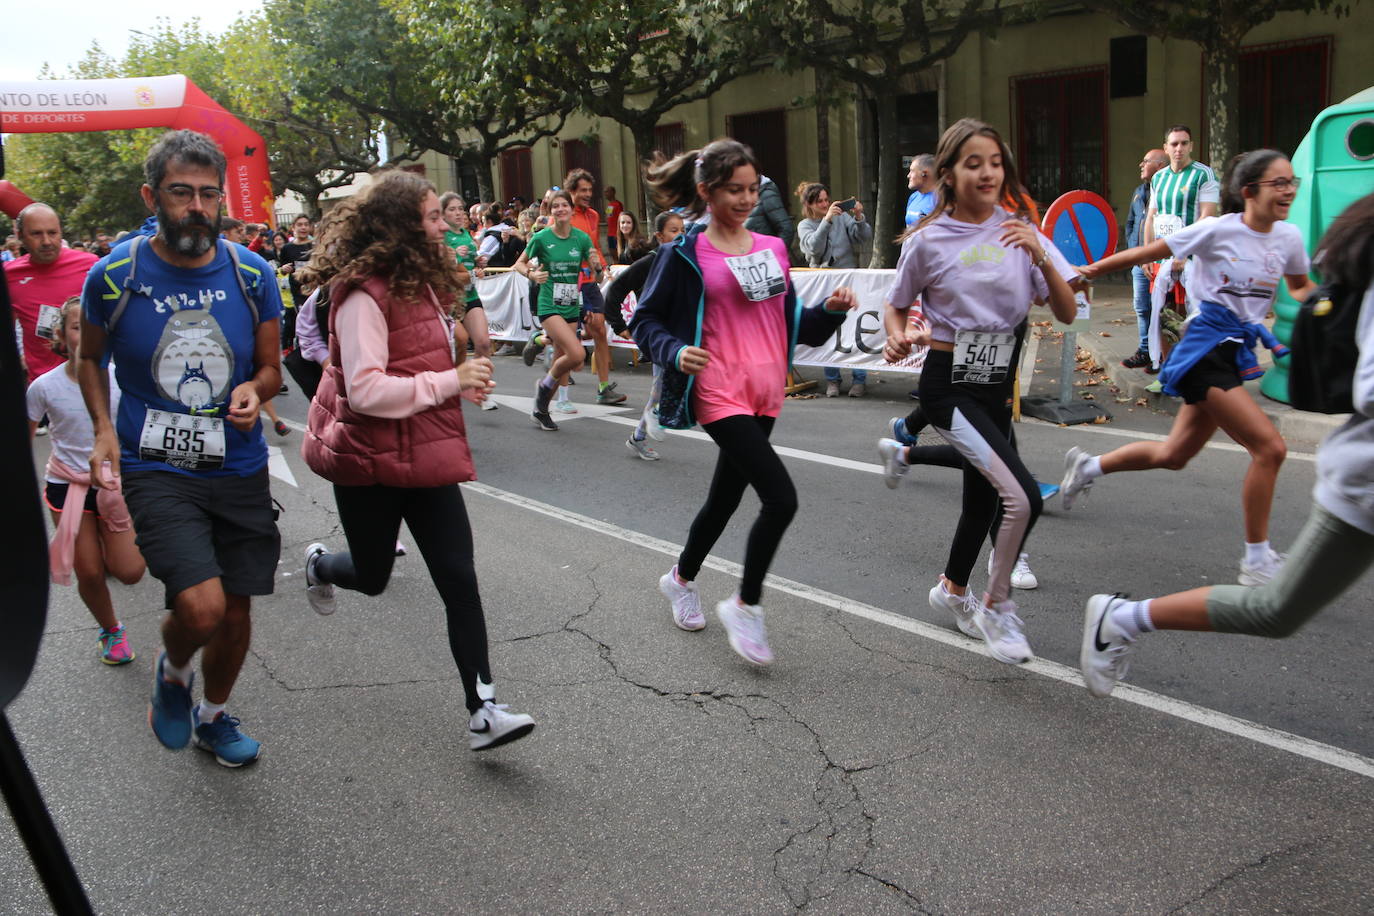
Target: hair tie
{"type": "Point", "coordinates": [555, 188]}
{"type": "Point", "coordinates": [698, 162]}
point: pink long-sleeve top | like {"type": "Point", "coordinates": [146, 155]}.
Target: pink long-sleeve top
{"type": "Point", "coordinates": [363, 359]}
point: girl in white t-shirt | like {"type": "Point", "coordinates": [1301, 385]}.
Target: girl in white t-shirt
{"type": "Point", "coordinates": [101, 543]}
{"type": "Point", "coordinates": [976, 269]}
{"type": "Point", "coordinates": [1240, 258]}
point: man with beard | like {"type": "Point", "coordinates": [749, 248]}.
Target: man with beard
{"type": "Point", "coordinates": [41, 281]}
{"type": "Point", "coordinates": [192, 325]}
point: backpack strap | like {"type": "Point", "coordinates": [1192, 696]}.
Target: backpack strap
{"type": "Point", "coordinates": [239, 268]}
{"type": "Point", "coordinates": [126, 289]}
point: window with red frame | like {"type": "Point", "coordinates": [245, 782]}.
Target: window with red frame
{"type": "Point", "coordinates": [1282, 88]}
{"type": "Point", "coordinates": [1061, 130]}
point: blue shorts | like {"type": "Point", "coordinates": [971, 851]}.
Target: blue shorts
{"type": "Point", "coordinates": [593, 302]}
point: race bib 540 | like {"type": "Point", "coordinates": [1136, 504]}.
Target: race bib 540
{"type": "Point", "coordinates": [982, 357]}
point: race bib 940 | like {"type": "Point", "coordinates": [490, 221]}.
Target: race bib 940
{"type": "Point", "coordinates": [193, 443]}
{"type": "Point", "coordinates": [758, 274]}
{"type": "Point", "coordinates": [982, 357]}
{"type": "Point", "coordinates": [566, 294]}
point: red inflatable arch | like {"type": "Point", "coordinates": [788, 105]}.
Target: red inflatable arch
{"type": "Point", "coordinates": [60, 106]}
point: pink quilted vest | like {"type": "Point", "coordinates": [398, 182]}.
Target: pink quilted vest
{"type": "Point", "coordinates": [429, 449]}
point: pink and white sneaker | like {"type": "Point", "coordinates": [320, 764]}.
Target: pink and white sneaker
{"type": "Point", "coordinates": [744, 625]}
{"type": "Point", "coordinates": [684, 599]}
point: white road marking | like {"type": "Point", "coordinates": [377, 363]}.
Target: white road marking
{"type": "Point", "coordinates": [277, 466]}
{"type": "Point", "coordinates": [783, 450]}
{"type": "Point", "coordinates": [1156, 437]}
{"type": "Point", "coordinates": [524, 405]}
{"type": "Point", "coordinates": [1200, 715]}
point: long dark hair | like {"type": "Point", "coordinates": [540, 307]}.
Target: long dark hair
{"type": "Point", "coordinates": [947, 156]}
{"type": "Point", "coordinates": [378, 233]}
{"type": "Point", "coordinates": [1345, 255]}
{"type": "Point", "coordinates": [1242, 172]}
{"type": "Point", "coordinates": [673, 182]}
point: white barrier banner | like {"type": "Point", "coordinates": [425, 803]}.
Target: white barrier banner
{"type": "Point", "coordinates": [857, 344]}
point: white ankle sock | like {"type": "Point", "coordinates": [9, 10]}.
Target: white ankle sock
{"type": "Point", "coordinates": [562, 395]}
{"type": "Point", "coordinates": [171, 671]}
{"type": "Point", "coordinates": [1133, 618]}
{"type": "Point", "coordinates": [1256, 553]}
{"type": "Point", "coordinates": [901, 458]}
{"type": "Point", "coordinates": [207, 711]}
{"type": "Point", "coordinates": [1092, 468]}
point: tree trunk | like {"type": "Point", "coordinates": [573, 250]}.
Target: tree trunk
{"type": "Point", "coordinates": [481, 161]}
{"type": "Point", "coordinates": [643, 133]}
{"type": "Point", "coordinates": [889, 172]}
{"type": "Point", "coordinates": [1221, 85]}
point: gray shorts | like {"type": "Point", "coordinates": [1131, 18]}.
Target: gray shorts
{"type": "Point", "coordinates": [193, 529]}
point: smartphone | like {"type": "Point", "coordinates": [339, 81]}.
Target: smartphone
{"type": "Point", "coordinates": [848, 204]}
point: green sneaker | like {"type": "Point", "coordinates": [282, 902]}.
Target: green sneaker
{"type": "Point", "coordinates": [607, 394]}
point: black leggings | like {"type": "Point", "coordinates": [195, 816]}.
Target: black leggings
{"type": "Point", "coordinates": [746, 459]}
{"type": "Point", "coordinates": [438, 520]}
{"type": "Point", "coordinates": [975, 420]}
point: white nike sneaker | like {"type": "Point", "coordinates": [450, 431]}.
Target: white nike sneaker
{"type": "Point", "coordinates": [1075, 480]}
{"type": "Point", "coordinates": [1002, 631]}
{"type": "Point", "coordinates": [958, 605]}
{"type": "Point", "coordinates": [684, 599]}
{"type": "Point", "coordinates": [1021, 575]}
{"type": "Point", "coordinates": [1263, 571]}
{"type": "Point", "coordinates": [894, 468]}
{"type": "Point", "coordinates": [492, 726]}
{"type": "Point", "coordinates": [745, 629]}
{"type": "Point", "coordinates": [1105, 656]}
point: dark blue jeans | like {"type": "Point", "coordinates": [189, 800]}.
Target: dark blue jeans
{"type": "Point", "coordinates": [1140, 283]}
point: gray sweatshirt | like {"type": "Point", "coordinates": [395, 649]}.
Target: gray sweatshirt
{"type": "Point", "coordinates": [1345, 461]}
{"type": "Point", "coordinates": [833, 244]}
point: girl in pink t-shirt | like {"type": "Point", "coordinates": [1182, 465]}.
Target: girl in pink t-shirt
{"type": "Point", "coordinates": [720, 316]}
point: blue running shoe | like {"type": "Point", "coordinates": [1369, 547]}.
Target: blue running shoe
{"type": "Point", "coordinates": [898, 427]}
{"type": "Point", "coordinates": [170, 711]}
{"type": "Point", "coordinates": [221, 737]}
{"type": "Point", "coordinates": [1048, 490]}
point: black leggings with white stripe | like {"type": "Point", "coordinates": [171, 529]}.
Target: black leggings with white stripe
{"type": "Point", "coordinates": [976, 420]}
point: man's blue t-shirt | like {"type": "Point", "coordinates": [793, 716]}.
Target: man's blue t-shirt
{"type": "Point", "coordinates": [182, 345]}
{"type": "Point", "coordinates": [918, 205]}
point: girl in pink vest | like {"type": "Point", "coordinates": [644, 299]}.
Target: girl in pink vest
{"type": "Point", "coordinates": [94, 537]}
{"type": "Point", "coordinates": [386, 427]}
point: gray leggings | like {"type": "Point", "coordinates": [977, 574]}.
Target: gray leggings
{"type": "Point", "coordinates": [1326, 560]}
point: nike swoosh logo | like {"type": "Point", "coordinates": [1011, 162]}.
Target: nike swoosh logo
{"type": "Point", "coordinates": [23, 280]}
{"type": "Point", "coordinates": [486, 727]}
{"type": "Point", "coordinates": [1098, 644]}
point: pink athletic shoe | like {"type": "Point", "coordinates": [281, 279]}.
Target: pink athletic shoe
{"type": "Point", "coordinates": [114, 647]}
{"type": "Point", "coordinates": [744, 626]}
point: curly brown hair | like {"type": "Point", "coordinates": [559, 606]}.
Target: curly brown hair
{"type": "Point", "coordinates": [378, 233]}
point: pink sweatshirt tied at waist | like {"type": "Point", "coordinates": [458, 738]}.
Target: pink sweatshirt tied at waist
{"type": "Point", "coordinates": [114, 515]}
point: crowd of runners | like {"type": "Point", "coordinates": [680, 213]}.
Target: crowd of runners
{"type": "Point", "coordinates": [150, 371]}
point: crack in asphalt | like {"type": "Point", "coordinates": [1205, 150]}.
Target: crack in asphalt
{"type": "Point", "coordinates": [279, 682]}
{"type": "Point", "coordinates": [1008, 677]}
{"type": "Point", "coordinates": [1240, 870]}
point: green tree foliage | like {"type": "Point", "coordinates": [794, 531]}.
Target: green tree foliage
{"type": "Point", "coordinates": [440, 84]}
{"type": "Point", "coordinates": [630, 61]}
{"type": "Point", "coordinates": [1218, 26]}
{"type": "Point", "coordinates": [871, 44]}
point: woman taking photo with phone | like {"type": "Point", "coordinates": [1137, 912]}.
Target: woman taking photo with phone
{"type": "Point", "coordinates": [832, 235]}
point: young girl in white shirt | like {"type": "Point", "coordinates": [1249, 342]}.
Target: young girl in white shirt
{"type": "Point", "coordinates": [1240, 259]}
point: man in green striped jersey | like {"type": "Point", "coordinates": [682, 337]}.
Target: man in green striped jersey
{"type": "Point", "coordinates": [1182, 194]}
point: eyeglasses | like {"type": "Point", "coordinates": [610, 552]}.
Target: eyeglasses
{"type": "Point", "coordinates": [1281, 184]}
{"type": "Point", "coordinates": [183, 194]}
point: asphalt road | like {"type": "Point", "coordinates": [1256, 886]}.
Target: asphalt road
{"type": "Point", "coordinates": [883, 764]}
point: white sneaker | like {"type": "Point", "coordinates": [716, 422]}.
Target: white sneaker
{"type": "Point", "coordinates": [565, 407]}
{"type": "Point", "coordinates": [1263, 571]}
{"type": "Point", "coordinates": [320, 594]}
{"type": "Point", "coordinates": [1021, 575]}
{"type": "Point", "coordinates": [832, 389]}
{"type": "Point", "coordinates": [744, 625]}
{"type": "Point", "coordinates": [858, 390]}
{"type": "Point", "coordinates": [489, 404]}
{"type": "Point", "coordinates": [894, 468]}
{"type": "Point", "coordinates": [684, 599]}
{"type": "Point", "coordinates": [491, 726]}
{"type": "Point", "coordinates": [642, 449]}
{"type": "Point", "coordinates": [958, 605]}
{"type": "Point", "coordinates": [1075, 481]}
{"type": "Point", "coordinates": [1105, 656]}
{"type": "Point", "coordinates": [1002, 631]}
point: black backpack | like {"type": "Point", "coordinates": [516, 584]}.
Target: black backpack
{"type": "Point", "coordinates": [1321, 371]}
